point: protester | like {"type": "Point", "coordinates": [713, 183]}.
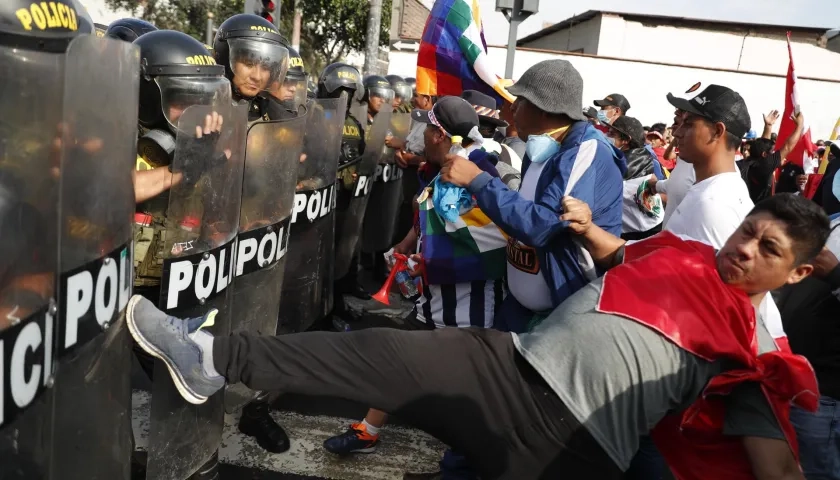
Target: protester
{"type": "Point", "coordinates": [655, 138]}
{"type": "Point", "coordinates": [827, 194]}
{"type": "Point", "coordinates": [810, 310]}
{"type": "Point", "coordinates": [565, 155]}
{"type": "Point", "coordinates": [536, 405]}
{"type": "Point", "coordinates": [638, 221]}
{"type": "Point", "coordinates": [612, 107]}
{"type": "Point", "coordinates": [509, 136]}
{"type": "Point", "coordinates": [458, 291]}
{"type": "Point", "coordinates": [757, 169]}
{"type": "Point", "coordinates": [501, 156]}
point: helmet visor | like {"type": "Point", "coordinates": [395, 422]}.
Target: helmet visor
{"type": "Point", "coordinates": [257, 64]}
{"type": "Point", "coordinates": [292, 92]}
{"type": "Point", "coordinates": [404, 92]}
{"type": "Point", "coordinates": [386, 94]}
{"type": "Point", "coordinates": [179, 93]}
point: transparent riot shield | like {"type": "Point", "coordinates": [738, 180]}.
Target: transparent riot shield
{"type": "Point", "coordinates": [355, 181]}
{"type": "Point", "coordinates": [92, 433]}
{"type": "Point", "coordinates": [268, 193]}
{"type": "Point", "coordinates": [199, 248]}
{"type": "Point", "coordinates": [308, 281]}
{"type": "Point", "coordinates": [386, 196]}
{"type": "Point", "coordinates": [30, 149]}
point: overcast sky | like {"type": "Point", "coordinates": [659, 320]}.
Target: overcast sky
{"type": "Point", "coordinates": [812, 13]}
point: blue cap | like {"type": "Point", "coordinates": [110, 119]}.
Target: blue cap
{"type": "Point", "coordinates": [751, 135]}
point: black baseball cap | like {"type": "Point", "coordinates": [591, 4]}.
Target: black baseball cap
{"type": "Point", "coordinates": [630, 127]}
{"type": "Point", "coordinates": [590, 112]}
{"type": "Point", "coordinates": [718, 104]}
{"type": "Point", "coordinates": [453, 114]}
{"type": "Point", "coordinates": [486, 108]}
{"type": "Point", "coordinates": [614, 100]}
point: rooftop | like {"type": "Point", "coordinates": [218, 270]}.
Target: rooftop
{"type": "Point", "coordinates": [666, 20]}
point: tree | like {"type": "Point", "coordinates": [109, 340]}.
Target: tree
{"type": "Point", "coordinates": [188, 16]}
{"type": "Point", "coordinates": [330, 30]}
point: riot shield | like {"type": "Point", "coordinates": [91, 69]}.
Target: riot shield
{"type": "Point", "coordinates": [92, 433]}
{"type": "Point", "coordinates": [386, 195]}
{"type": "Point", "coordinates": [29, 151]}
{"type": "Point", "coordinates": [355, 181]}
{"type": "Point", "coordinates": [308, 281]}
{"type": "Point", "coordinates": [200, 229]}
{"type": "Point", "coordinates": [268, 193]}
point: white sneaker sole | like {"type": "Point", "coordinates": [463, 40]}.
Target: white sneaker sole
{"type": "Point", "coordinates": [177, 379]}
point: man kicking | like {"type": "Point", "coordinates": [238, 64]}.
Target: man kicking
{"type": "Point", "coordinates": [570, 399]}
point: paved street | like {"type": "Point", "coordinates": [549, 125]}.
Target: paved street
{"type": "Point", "coordinates": [310, 420]}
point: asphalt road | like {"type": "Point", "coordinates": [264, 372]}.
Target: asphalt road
{"type": "Point", "coordinates": [310, 420]}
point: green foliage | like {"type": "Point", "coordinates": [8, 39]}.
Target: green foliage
{"type": "Point", "coordinates": [330, 29]}
{"type": "Point", "coordinates": [188, 16]}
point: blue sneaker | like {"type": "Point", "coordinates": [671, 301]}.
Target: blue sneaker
{"type": "Point", "coordinates": [172, 340]}
{"type": "Point", "coordinates": [355, 440]}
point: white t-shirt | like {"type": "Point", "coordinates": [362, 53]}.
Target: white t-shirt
{"type": "Point", "coordinates": [711, 210]}
{"type": "Point", "coordinates": [525, 280]}
{"type": "Point", "coordinates": [676, 186]}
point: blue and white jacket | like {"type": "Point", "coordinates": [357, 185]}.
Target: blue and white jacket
{"type": "Point", "coordinates": [588, 168]}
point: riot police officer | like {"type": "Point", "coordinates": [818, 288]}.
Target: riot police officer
{"type": "Point", "coordinates": [378, 92]}
{"type": "Point", "coordinates": [191, 148]}
{"type": "Point", "coordinates": [377, 225]}
{"type": "Point", "coordinates": [64, 183]}
{"type": "Point", "coordinates": [292, 92]}
{"type": "Point", "coordinates": [128, 29]}
{"type": "Point", "coordinates": [266, 73]}
{"type": "Point", "coordinates": [256, 58]}
{"type": "Point", "coordinates": [402, 93]}
{"type": "Point", "coordinates": [336, 79]}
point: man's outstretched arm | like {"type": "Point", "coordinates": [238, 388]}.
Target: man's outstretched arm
{"type": "Point", "coordinates": [771, 459]}
{"type": "Point", "coordinates": [750, 417]}
{"type": "Point", "coordinates": [606, 249]}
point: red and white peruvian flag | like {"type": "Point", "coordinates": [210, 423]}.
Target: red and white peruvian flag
{"type": "Point", "coordinates": [805, 149]}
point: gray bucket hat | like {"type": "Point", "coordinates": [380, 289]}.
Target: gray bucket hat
{"type": "Point", "coordinates": [554, 86]}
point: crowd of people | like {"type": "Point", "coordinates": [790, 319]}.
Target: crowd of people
{"type": "Point", "coordinates": [599, 299]}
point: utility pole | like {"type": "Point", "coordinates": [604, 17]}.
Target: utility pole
{"type": "Point", "coordinates": [296, 26]}
{"type": "Point", "coordinates": [372, 40]}
{"type": "Point", "coordinates": [208, 35]}
{"type": "Point", "coordinates": [516, 11]}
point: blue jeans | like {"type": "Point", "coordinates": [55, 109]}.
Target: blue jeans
{"type": "Point", "coordinates": [648, 463]}
{"type": "Point", "coordinates": [454, 466]}
{"type": "Point", "coordinates": [818, 434]}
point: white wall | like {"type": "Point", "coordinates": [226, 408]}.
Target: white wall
{"type": "Point", "coordinates": [645, 85]}
{"type": "Point", "coordinates": [710, 48]}
{"type": "Point", "coordinates": [580, 36]}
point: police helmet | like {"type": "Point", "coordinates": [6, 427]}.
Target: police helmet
{"type": "Point", "coordinates": [412, 82]}
{"type": "Point", "coordinates": [340, 77]}
{"type": "Point", "coordinates": [100, 29]}
{"type": "Point", "coordinates": [128, 29]}
{"type": "Point", "coordinates": [176, 72]}
{"type": "Point", "coordinates": [402, 90]}
{"type": "Point", "coordinates": [377, 86]}
{"type": "Point", "coordinates": [245, 41]}
{"type": "Point", "coordinates": [25, 24]}
{"type": "Point", "coordinates": [293, 91]}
